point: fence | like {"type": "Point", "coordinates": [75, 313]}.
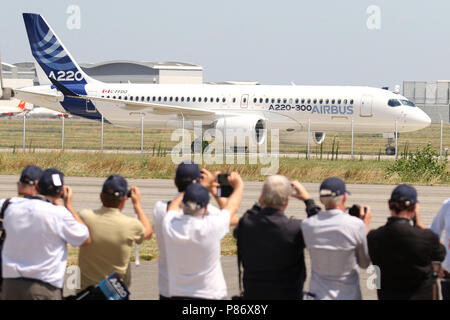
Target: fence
{"type": "Point", "coordinates": [78, 134]}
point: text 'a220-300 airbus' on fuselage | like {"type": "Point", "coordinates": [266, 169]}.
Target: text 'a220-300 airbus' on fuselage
{"type": "Point", "coordinates": [290, 109]}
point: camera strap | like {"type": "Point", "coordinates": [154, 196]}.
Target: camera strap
{"type": "Point", "coordinates": [2, 214]}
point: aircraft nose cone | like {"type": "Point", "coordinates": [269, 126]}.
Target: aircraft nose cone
{"type": "Point", "coordinates": [419, 119]}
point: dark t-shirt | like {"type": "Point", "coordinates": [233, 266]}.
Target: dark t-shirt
{"type": "Point", "coordinates": [271, 249]}
{"type": "Point", "coordinates": [404, 254]}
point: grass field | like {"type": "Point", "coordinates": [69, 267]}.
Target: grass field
{"type": "Point", "coordinates": [83, 134]}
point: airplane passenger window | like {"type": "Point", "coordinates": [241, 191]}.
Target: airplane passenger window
{"type": "Point", "coordinates": [205, 99]}
{"type": "Point", "coordinates": [303, 100]}
{"type": "Point", "coordinates": [154, 98]}
{"type": "Point", "coordinates": [125, 98]}
{"type": "Point", "coordinates": [267, 100]}
{"type": "Point", "coordinates": [284, 100]}
{"type": "Point", "coordinates": [260, 100]}
{"type": "Point", "coordinates": [345, 101]}
{"type": "Point", "coordinates": [224, 100]}
{"type": "Point", "coordinates": [332, 101]}
{"type": "Point", "coordinates": [315, 101]}
{"type": "Point", "coordinates": [321, 101]}
{"type": "Point", "coordinates": [279, 100]}
{"type": "Point", "coordinates": [339, 101]}
{"type": "Point", "coordinates": [296, 101]}
{"type": "Point", "coordinates": [137, 98]}
{"type": "Point", "coordinates": [351, 101]}
{"type": "Point", "coordinates": [170, 99]}
{"type": "Point", "coordinates": [217, 100]}
{"type": "Point", "coordinates": [394, 103]}
{"type": "Point", "coordinates": [120, 97]}
{"type": "Point", "coordinates": [254, 100]}
{"type": "Point", "coordinates": [193, 99]}
{"type": "Point", "coordinates": [211, 99]}
{"type": "Point", "coordinates": [114, 97]}
{"type": "Point", "coordinates": [182, 99]}
{"type": "Point", "coordinates": [165, 98]}
{"type": "Point", "coordinates": [408, 103]}
{"type": "Point", "coordinates": [327, 101]}
{"type": "Point", "coordinates": [131, 98]}
{"type": "Point", "coordinates": [273, 100]}
{"type": "Point", "coordinates": [188, 99]}
{"type": "Point", "coordinates": [309, 100]}
{"type": "Point", "coordinates": [234, 100]}
{"type": "Point", "coordinates": [176, 99]}
{"type": "Point", "coordinates": [159, 98]}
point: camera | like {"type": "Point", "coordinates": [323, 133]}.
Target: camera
{"type": "Point", "coordinates": [225, 189]}
{"type": "Point", "coordinates": [129, 193]}
{"type": "Point", "coordinates": [354, 211]}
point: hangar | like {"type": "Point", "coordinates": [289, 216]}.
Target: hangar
{"type": "Point", "coordinates": [431, 96]}
{"type": "Point", "coordinates": [117, 71]}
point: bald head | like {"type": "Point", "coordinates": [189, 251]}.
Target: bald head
{"type": "Point", "coordinates": [276, 192]}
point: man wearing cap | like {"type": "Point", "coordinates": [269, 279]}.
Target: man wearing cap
{"type": "Point", "coordinates": [192, 240]}
{"type": "Point", "coordinates": [113, 233]}
{"type": "Point", "coordinates": [440, 225]}
{"type": "Point", "coordinates": [187, 173]}
{"type": "Point", "coordinates": [337, 245]}
{"type": "Point", "coordinates": [35, 250]}
{"type": "Point", "coordinates": [26, 188]}
{"type": "Point", "coordinates": [405, 250]}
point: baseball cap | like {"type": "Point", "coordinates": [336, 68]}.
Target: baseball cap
{"type": "Point", "coordinates": [186, 173]}
{"type": "Point", "coordinates": [115, 185]}
{"type": "Point", "coordinates": [51, 182]}
{"type": "Point", "coordinates": [196, 193]}
{"type": "Point", "coordinates": [404, 193]}
{"type": "Point", "coordinates": [30, 174]}
{"type": "Point", "coordinates": [332, 187]}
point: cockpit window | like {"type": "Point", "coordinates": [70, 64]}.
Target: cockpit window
{"type": "Point", "coordinates": [408, 103]}
{"type": "Point", "coordinates": [393, 103]}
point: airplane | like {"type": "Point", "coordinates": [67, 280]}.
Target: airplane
{"type": "Point", "coordinates": [44, 113]}
{"type": "Point", "coordinates": [294, 110]}
{"type": "Point", "coordinates": [13, 110]}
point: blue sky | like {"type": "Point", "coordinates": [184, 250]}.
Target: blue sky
{"type": "Point", "coordinates": [273, 42]}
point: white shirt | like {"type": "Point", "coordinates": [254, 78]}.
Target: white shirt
{"type": "Point", "coordinates": [159, 212]}
{"type": "Point", "coordinates": [337, 243]}
{"type": "Point", "coordinates": [193, 254]}
{"type": "Point", "coordinates": [440, 223]}
{"type": "Point", "coordinates": [37, 233]}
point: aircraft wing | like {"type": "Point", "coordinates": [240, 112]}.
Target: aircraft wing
{"type": "Point", "coordinates": [23, 94]}
{"type": "Point", "coordinates": [160, 109]}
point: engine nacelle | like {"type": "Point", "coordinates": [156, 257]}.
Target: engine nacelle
{"type": "Point", "coordinates": [301, 138]}
{"type": "Point", "coordinates": [241, 130]}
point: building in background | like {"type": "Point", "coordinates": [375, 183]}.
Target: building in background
{"type": "Point", "coordinates": [431, 96]}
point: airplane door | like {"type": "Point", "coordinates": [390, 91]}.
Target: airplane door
{"type": "Point", "coordinates": [366, 106]}
{"type": "Point", "coordinates": [244, 101]}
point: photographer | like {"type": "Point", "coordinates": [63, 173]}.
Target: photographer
{"type": "Point", "coordinates": [270, 245]}
{"type": "Point", "coordinates": [187, 173]}
{"type": "Point", "coordinates": [337, 244]}
{"type": "Point", "coordinates": [192, 240]}
{"type": "Point", "coordinates": [440, 223]}
{"type": "Point", "coordinates": [405, 250]}
{"type": "Point", "coordinates": [113, 233]}
{"type": "Point", "coordinates": [35, 249]}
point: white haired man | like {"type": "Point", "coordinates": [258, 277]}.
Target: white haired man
{"type": "Point", "coordinates": [337, 244]}
{"type": "Point", "coordinates": [270, 245]}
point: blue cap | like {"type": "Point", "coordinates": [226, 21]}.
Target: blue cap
{"type": "Point", "coordinates": [51, 182]}
{"type": "Point", "coordinates": [196, 193]}
{"type": "Point", "coordinates": [115, 185]}
{"type": "Point", "coordinates": [30, 174]}
{"type": "Point", "coordinates": [188, 170]}
{"type": "Point", "coordinates": [332, 187]}
{"type": "Point", "coordinates": [404, 193]}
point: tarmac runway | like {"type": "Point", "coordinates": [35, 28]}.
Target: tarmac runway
{"type": "Point", "coordinates": [144, 278]}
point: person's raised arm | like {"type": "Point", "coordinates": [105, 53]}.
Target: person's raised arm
{"type": "Point", "coordinates": [68, 197]}
{"type": "Point", "coordinates": [235, 199]}
{"type": "Point", "coordinates": [301, 193]}
{"type": "Point", "coordinates": [176, 203]}
{"type": "Point", "coordinates": [142, 217]}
